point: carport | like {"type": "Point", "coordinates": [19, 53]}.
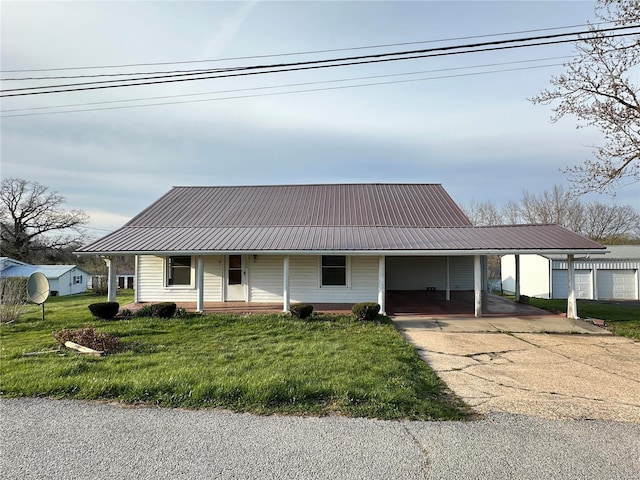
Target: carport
{"type": "Point", "coordinates": [453, 283]}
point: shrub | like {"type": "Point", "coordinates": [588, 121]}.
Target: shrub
{"type": "Point", "coordinates": [13, 298]}
{"type": "Point", "coordinates": [164, 309]}
{"type": "Point", "coordinates": [104, 310]}
{"type": "Point", "coordinates": [301, 310]}
{"type": "Point", "coordinates": [125, 313]}
{"type": "Point", "coordinates": [524, 299]}
{"type": "Point", "coordinates": [88, 337]}
{"type": "Point", "coordinates": [366, 310]}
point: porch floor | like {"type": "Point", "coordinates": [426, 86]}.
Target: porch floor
{"type": "Point", "coordinates": [399, 303]}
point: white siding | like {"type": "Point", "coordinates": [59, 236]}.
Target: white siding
{"type": "Point", "coordinates": [421, 273]}
{"type": "Point", "coordinates": [534, 275]}
{"type": "Point", "coordinates": [151, 278]}
{"type": "Point", "coordinates": [617, 284]}
{"type": "Point", "coordinates": [416, 273]}
{"type": "Point", "coordinates": [266, 278]}
{"type": "Point", "coordinates": [583, 286]}
{"type": "Point", "coordinates": [305, 281]}
{"type": "Point", "coordinates": [461, 273]}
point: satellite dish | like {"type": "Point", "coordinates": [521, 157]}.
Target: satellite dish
{"type": "Point", "coordinates": [38, 288]}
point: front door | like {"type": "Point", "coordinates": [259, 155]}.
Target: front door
{"type": "Point", "coordinates": [236, 279]}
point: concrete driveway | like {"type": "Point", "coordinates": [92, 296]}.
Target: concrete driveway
{"type": "Point", "coordinates": [507, 365]}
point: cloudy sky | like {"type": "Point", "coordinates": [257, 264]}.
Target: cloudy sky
{"type": "Point", "coordinates": [462, 120]}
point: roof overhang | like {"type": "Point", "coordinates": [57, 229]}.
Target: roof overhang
{"type": "Point", "coordinates": [388, 253]}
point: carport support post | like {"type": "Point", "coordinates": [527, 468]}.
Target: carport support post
{"type": "Point", "coordinates": [517, 278]}
{"type": "Point", "coordinates": [286, 294]}
{"type": "Point", "coordinates": [200, 284]}
{"type": "Point", "coordinates": [381, 283]}
{"type": "Point", "coordinates": [477, 286]}
{"type": "Point", "coordinates": [111, 278]}
{"type": "Point", "coordinates": [572, 307]}
{"type": "Point", "coordinates": [447, 294]}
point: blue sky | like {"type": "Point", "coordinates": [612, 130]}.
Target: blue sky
{"type": "Point", "coordinates": [478, 135]}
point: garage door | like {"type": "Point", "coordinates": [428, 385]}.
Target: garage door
{"type": "Point", "coordinates": [617, 284]}
{"type": "Point", "coordinates": [582, 285]}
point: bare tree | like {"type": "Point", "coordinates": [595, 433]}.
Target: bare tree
{"type": "Point", "coordinates": [600, 88]}
{"type": "Point", "coordinates": [483, 213]}
{"type": "Point", "coordinates": [33, 218]}
{"type": "Point", "coordinates": [605, 223]}
{"type": "Point", "coordinates": [611, 223]}
{"type": "Point", "coordinates": [557, 205]}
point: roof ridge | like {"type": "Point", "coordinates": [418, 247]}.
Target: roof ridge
{"type": "Point", "coordinates": [306, 185]}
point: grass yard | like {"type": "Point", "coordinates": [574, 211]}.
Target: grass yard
{"type": "Point", "coordinates": [622, 319]}
{"type": "Point", "coordinates": [259, 363]}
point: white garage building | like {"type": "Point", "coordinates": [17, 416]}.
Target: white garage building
{"type": "Point", "coordinates": [612, 276]}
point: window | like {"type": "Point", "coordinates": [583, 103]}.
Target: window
{"type": "Point", "coordinates": [334, 271]}
{"type": "Point", "coordinates": [179, 271]}
{"type": "Point", "coordinates": [77, 279]}
{"type": "Point", "coordinates": [235, 269]}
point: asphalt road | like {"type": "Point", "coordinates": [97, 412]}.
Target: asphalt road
{"type": "Point", "coordinates": [49, 439]}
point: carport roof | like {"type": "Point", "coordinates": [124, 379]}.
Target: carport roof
{"type": "Point", "coordinates": [389, 219]}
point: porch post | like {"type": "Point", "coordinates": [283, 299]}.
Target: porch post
{"type": "Point", "coordinates": [381, 284]}
{"type": "Point", "coordinates": [448, 290]}
{"type": "Point", "coordinates": [594, 283]}
{"type": "Point", "coordinates": [200, 283]}
{"type": "Point", "coordinates": [517, 278]}
{"type": "Point", "coordinates": [286, 294]}
{"type": "Point", "coordinates": [111, 279]}
{"type": "Point", "coordinates": [572, 307]}
{"type": "Point", "coordinates": [477, 286]}
{"type": "Point", "coordinates": [136, 273]}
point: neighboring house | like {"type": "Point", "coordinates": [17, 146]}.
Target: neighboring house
{"type": "Point", "coordinates": [123, 280]}
{"type": "Point", "coordinates": [315, 243]}
{"type": "Point", "coordinates": [597, 277]}
{"type": "Point", "coordinates": [63, 279]}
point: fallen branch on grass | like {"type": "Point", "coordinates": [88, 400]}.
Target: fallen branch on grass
{"type": "Point", "coordinates": [82, 349]}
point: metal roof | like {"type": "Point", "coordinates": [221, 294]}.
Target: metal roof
{"type": "Point", "coordinates": [321, 218]}
{"type": "Point", "coordinates": [400, 205]}
{"type": "Point", "coordinates": [50, 271]}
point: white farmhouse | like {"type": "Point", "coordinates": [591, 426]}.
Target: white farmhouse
{"type": "Point", "coordinates": [331, 243]}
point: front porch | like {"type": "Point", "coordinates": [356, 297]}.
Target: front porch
{"type": "Point", "coordinates": [399, 303]}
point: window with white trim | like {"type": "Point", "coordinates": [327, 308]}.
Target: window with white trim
{"type": "Point", "coordinates": [179, 270]}
{"type": "Point", "coordinates": [333, 271]}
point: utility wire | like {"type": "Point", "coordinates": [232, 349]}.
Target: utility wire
{"type": "Point", "coordinates": [370, 77]}
{"type": "Point", "coordinates": [341, 87]}
{"type": "Point", "coordinates": [307, 67]}
{"type": "Point", "coordinates": [386, 55]}
{"type": "Point", "coordinates": [311, 52]}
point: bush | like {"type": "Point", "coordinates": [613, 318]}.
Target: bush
{"type": "Point", "coordinates": [524, 300]}
{"type": "Point", "coordinates": [301, 310]}
{"type": "Point", "coordinates": [163, 310]}
{"type": "Point", "coordinates": [13, 298]}
{"type": "Point", "coordinates": [366, 310]}
{"type": "Point", "coordinates": [88, 337]}
{"type": "Point", "coordinates": [104, 310]}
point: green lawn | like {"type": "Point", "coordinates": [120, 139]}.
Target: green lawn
{"type": "Point", "coordinates": [258, 363]}
{"type": "Point", "coordinates": [621, 319]}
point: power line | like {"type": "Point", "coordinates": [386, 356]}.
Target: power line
{"type": "Point", "coordinates": [310, 52]}
{"type": "Point", "coordinates": [283, 93]}
{"type": "Point", "coordinates": [162, 97]}
{"type": "Point", "coordinates": [387, 56]}
{"type": "Point", "coordinates": [312, 66]}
